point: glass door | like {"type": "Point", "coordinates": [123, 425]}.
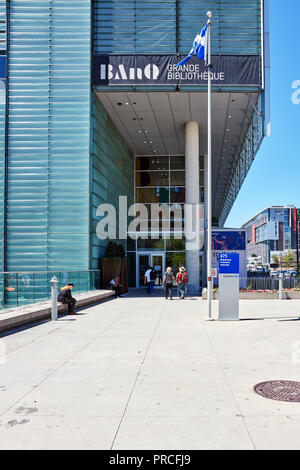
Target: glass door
{"type": "Point", "coordinates": [158, 264]}
{"type": "Point", "coordinates": [142, 266]}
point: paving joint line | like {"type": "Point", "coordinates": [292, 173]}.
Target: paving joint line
{"type": "Point", "coordinates": [138, 375]}
{"type": "Point", "coordinates": [228, 383]}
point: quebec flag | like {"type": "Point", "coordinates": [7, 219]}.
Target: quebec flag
{"type": "Point", "coordinates": [199, 47]}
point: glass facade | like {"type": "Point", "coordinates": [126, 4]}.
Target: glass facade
{"type": "Point", "coordinates": [48, 135]}
{"type": "Point", "coordinates": [161, 180]}
{"type": "Point", "coordinates": [164, 27]}
{"type": "Point", "coordinates": [25, 288]}
{"type": "Point", "coordinates": [3, 160]}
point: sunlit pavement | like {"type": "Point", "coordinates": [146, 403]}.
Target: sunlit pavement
{"type": "Point", "coordinates": [145, 373]}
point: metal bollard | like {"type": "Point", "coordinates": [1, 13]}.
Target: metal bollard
{"type": "Point", "coordinates": [280, 286]}
{"type": "Point", "coordinates": [53, 283]}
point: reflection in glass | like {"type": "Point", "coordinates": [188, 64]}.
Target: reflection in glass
{"type": "Point", "coordinates": [175, 261]}
{"type": "Point", "coordinates": [177, 162]}
{"type": "Point", "coordinates": [177, 194]}
{"type": "Point", "coordinates": [154, 178]}
{"type": "Point", "coordinates": [201, 162]}
{"type": "Point", "coordinates": [201, 194]}
{"type": "Point", "coordinates": [150, 244]}
{"type": "Point", "coordinates": [175, 245]}
{"type": "Point", "coordinates": [152, 195]}
{"type": "Point", "coordinates": [152, 163]}
{"type": "Point", "coordinates": [177, 178]}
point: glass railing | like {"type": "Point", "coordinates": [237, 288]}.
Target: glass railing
{"type": "Point", "coordinates": [24, 288]}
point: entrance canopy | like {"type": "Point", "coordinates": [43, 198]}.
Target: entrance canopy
{"type": "Point", "coordinates": [152, 123]}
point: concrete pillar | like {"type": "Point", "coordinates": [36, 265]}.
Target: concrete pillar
{"type": "Point", "coordinates": [192, 199]}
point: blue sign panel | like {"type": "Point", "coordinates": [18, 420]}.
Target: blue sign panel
{"type": "Point", "coordinates": [229, 263]}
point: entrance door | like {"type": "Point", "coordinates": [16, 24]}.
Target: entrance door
{"type": "Point", "coordinates": [142, 265]}
{"type": "Point", "coordinates": [155, 260]}
{"type": "Point", "coordinates": [158, 264]}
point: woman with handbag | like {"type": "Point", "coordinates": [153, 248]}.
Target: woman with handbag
{"type": "Point", "coordinates": [168, 282]}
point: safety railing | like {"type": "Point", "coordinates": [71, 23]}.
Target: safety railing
{"type": "Point", "coordinates": [23, 288]}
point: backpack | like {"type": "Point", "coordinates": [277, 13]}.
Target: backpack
{"type": "Point", "coordinates": [183, 279]}
{"type": "Point", "coordinates": [152, 275]}
{"type": "Point", "coordinates": [61, 296]}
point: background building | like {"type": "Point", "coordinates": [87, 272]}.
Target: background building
{"type": "Point", "coordinates": [273, 231]}
{"type": "Point", "coordinates": [92, 106]}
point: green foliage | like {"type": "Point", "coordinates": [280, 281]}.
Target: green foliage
{"type": "Point", "coordinates": [177, 260]}
{"type": "Point", "coordinates": [288, 259]}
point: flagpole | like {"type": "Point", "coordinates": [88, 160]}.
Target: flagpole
{"type": "Point", "coordinates": [209, 174]}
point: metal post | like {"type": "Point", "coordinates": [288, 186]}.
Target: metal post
{"type": "Point", "coordinates": [209, 175]}
{"type": "Point", "coordinates": [280, 286]}
{"type": "Point", "coordinates": [53, 283]}
{"type": "Point", "coordinates": [297, 241]}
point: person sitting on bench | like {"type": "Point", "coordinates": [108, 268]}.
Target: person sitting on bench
{"type": "Point", "coordinates": [116, 285]}
{"type": "Point", "coordinates": [65, 297]}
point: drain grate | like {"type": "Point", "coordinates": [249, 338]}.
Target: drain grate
{"type": "Point", "coordinates": [280, 390]}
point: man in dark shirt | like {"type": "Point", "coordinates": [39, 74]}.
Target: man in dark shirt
{"type": "Point", "coordinates": [65, 297]}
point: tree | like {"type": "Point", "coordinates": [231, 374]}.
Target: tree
{"type": "Point", "coordinates": [275, 259]}
{"type": "Point", "coordinates": [288, 259]}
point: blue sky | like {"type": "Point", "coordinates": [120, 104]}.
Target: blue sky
{"type": "Point", "coordinates": [274, 177]}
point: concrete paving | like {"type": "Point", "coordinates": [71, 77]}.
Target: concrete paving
{"type": "Point", "coordinates": [19, 316]}
{"type": "Point", "coordinates": [146, 373]}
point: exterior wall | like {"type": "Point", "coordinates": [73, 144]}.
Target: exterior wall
{"type": "Point", "coordinates": [164, 27]}
{"type": "Point", "coordinates": [48, 144]}
{"type": "Point", "coordinates": [2, 137]}
{"type": "Point", "coordinates": [112, 173]}
{"type": "Point", "coordinates": [2, 149]}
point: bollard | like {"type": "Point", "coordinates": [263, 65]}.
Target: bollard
{"type": "Point", "coordinates": [280, 286]}
{"type": "Point", "coordinates": [53, 283]}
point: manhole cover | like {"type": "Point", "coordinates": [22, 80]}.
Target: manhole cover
{"type": "Point", "coordinates": [280, 390]}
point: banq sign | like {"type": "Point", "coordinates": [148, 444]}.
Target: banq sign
{"type": "Point", "coordinates": [162, 70]}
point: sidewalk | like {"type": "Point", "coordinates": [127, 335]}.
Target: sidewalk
{"type": "Point", "coordinates": [20, 316]}
{"type": "Point", "coordinates": [145, 373]}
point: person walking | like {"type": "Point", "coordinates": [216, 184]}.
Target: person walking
{"type": "Point", "coordinates": [168, 282]}
{"type": "Point", "coordinates": [65, 297]}
{"type": "Point", "coordinates": [149, 279]}
{"type": "Point", "coordinates": [182, 280]}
